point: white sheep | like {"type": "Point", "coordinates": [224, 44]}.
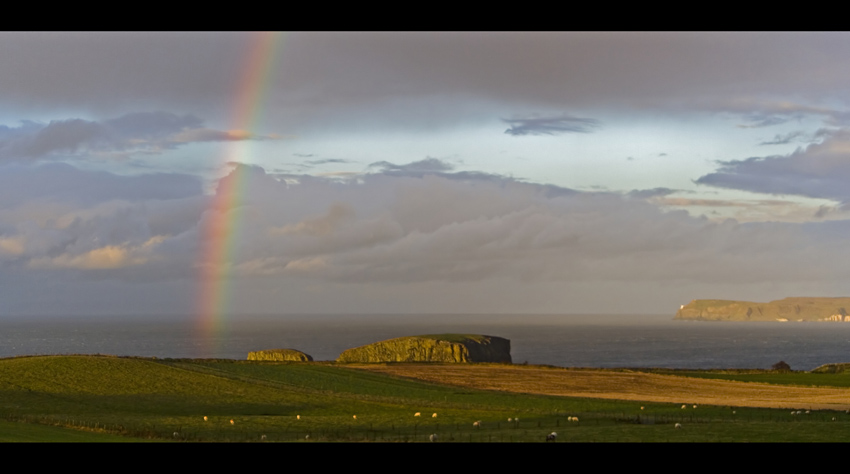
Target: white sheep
{"type": "Point", "coordinates": [434, 415]}
{"type": "Point", "coordinates": [355, 417]}
{"type": "Point", "coordinates": [551, 436]}
{"type": "Point", "coordinates": [433, 437]}
{"type": "Point", "coordinates": [263, 437]}
{"type": "Point", "coordinates": [297, 417]}
{"type": "Point", "coordinates": [417, 414]}
{"type": "Point", "coordinates": [677, 425]}
{"type": "Point", "coordinates": [232, 422]}
{"type": "Point", "coordinates": [477, 424]}
{"type": "Point", "coordinates": [205, 418]}
{"type": "Point", "coordinates": [176, 434]}
{"type": "Point", "coordinates": [684, 406]}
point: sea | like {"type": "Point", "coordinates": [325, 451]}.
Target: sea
{"type": "Point", "coordinates": [586, 340]}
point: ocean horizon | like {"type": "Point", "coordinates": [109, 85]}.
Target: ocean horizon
{"type": "Point", "coordinates": [568, 340]}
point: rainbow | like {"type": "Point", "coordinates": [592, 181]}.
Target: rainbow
{"type": "Point", "coordinates": [220, 226]}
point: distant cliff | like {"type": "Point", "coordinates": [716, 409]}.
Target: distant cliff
{"type": "Point", "coordinates": [280, 354]}
{"type": "Point", "coordinates": [788, 309]}
{"type": "Point", "coordinates": [433, 348]}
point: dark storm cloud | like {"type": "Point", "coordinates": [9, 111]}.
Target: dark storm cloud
{"type": "Point", "coordinates": [550, 125]}
{"type": "Point", "coordinates": [325, 77]}
{"type": "Point", "coordinates": [821, 170]}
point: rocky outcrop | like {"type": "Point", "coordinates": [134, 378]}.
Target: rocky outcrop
{"type": "Point", "coordinates": [433, 348]}
{"type": "Point", "coordinates": [280, 355]}
{"type": "Point", "coordinates": [790, 309]}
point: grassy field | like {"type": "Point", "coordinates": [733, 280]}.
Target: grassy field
{"type": "Point", "coordinates": [103, 398]}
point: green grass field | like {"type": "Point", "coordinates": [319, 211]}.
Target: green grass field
{"type": "Point", "coordinates": [103, 399]}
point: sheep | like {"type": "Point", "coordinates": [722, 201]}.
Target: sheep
{"type": "Point", "coordinates": [307, 437]}
{"type": "Point", "coordinates": [417, 414]}
{"type": "Point", "coordinates": [477, 424]}
{"type": "Point", "coordinates": [695, 406]}
{"type": "Point", "coordinates": [510, 420]}
{"type": "Point", "coordinates": [176, 434]}
{"type": "Point", "coordinates": [355, 417]}
{"type": "Point", "coordinates": [433, 437]}
{"type": "Point", "coordinates": [297, 417]}
{"type": "Point", "coordinates": [677, 426]}
{"type": "Point", "coordinates": [551, 436]}
{"type": "Point", "coordinates": [232, 423]}
{"type": "Point", "coordinates": [641, 408]}
{"type": "Point", "coordinates": [205, 418]}
{"type": "Point", "coordinates": [684, 406]}
{"type": "Point", "coordinates": [263, 437]}
{"type": "Point", "coordinates": [434, 415]}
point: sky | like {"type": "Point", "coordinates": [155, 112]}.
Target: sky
{"type": "Point", "coordinates": [217, 174]}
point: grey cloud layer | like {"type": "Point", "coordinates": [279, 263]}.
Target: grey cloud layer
{"type": "Point", "coordinates": [140, 132]}
{"type": "Point", "coordinates": [820, 170]}
{"type": "Point", "coordinates": [320, 75]}
{"type": "Point", "coordinates": [389, 229]}
{"type": "Point", "coordinates": [550, 125]}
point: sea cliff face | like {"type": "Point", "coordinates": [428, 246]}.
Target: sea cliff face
{"type": "Point", "coordinates": [433, 348]}
{"type": "Point", "coordinates": [280, 355]}
{"type": "Point", "coordinates": [787, 309]}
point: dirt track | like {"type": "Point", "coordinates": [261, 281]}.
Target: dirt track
{"type": "Point", "coordinates": [621, 385]}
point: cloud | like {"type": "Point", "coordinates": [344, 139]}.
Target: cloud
{"type": "Point", "coordinates": [651, 193]}
{"type": "Point", "coordinates": [389, 234]}
{"type": "Point", "coordinates": [550, 125]}
{"type": "Point", "coordinates": [785, 139]}
{"type": "Point", "coordinates": [143, 132]}
{"type": "Point", "coordinates": [820, 170]}
{"type": "Point", "coordinates": [329, 160]}
{"type": "Point", "coordinates": [428, 165]}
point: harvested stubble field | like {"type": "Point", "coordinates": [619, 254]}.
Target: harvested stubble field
{"type": "Point", "coordinates": [620, 385]}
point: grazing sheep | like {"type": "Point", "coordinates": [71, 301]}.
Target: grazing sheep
{"type": "Point", "coordinates": [307, 437]}
{"type": "Point", "coordinates": [433, 437]}
{"type": "Point", "coordinates": [477, 424]}
{"type": "Point", "coordinates": [510, 420]}
{"type": "Point", "coordinates": [231, 422]}
{"type": "Point", "coordinates": [551, 436]}
{"type": "Point", "coordinates": [434, 415]}
{"type": "Point", "coordinates": [205, 418]}
{"type": "Point", "coordinates": [417, 414]}
{"type": "Point", "coordinates": [176, 434]}
{"type": "Point", "coordinates": [641, 408]}
{"type": "Point", "coordinates": [733, 412]}
{"type": "Point", "coordinates": [263, 437]}
{"type": "Point", "coordinates": [807, 412]}
{"type": "Point", "coordinates": [684, 406]}
{"type": "Point", "coordinates": [297, 417]}
{"type": "Point", "coordinates": [695, 406]}
{"type": "Point", "coordinates": [355, 417]}
{"type": "Point", "coordinates": [677, 426]}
